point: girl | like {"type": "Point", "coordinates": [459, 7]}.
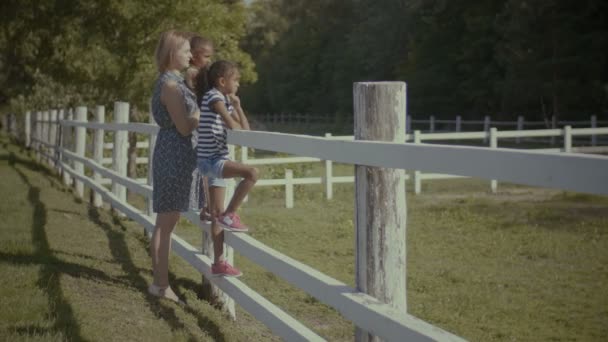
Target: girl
{"type": "Point", "coordinates": [221, 110]}
{"type": "Point", "coordinates": [176, 182]}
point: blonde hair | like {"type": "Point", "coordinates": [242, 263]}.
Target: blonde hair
{"type": "Point", "coordinates": [169, 42]}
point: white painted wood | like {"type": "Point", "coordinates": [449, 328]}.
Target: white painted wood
{"type": "Point", "coordinates": [553, 126]}
{"type": "Point", "coordinates": [590, 131]}
{"type": "Point", "coordinates": [118, 126]}
{"type": "Point", "coordinates": [486, 127]}
{"type": "Point", "coordinates": [38, 136]}
{"type": "Point", "coordinates": [45, 136]}
{"type": "Point", "coordinates": [120, 150]}
{"type": "Point", "coordinates": [139, 144]}
{"type": "Point", "coordinates": [432, 176]}
{"type": "Point", "coordinates": [327, 180]}
{"type": "Point", "coordinates": [568, 172]}
{"type": "Point", "coordinates": [288, 188]}
{"type": "Point", "coordinates": [380, 211]}
{"type": "Point", "coordinates": [568, 139]}
{"type": "Point", "coordinates": [282, 160]}
{"type": "Point", "coordinates": [28, 129]}
{"type": "Point", "coordinates": [60, 138]}
{"type": "Point", "coordinates": [53, 136]}
{"type": "Point", "coordinates": [493, 145]}
{"type": "Point", "coordinates": [452, 136]}
{"type": "Point", "coordinates": [69, 144]}
{"type": "Point", "coordinates": [530, 133]}
{"type": "Point", "coordinates": [363, 310]}
{"type": "Point", "coordinates": [417, 178]}
{"type": "Point", "coordinates": [98, 141]}
{"type": "Point", "coordinates": [520, 127]}
{"type": "Point", "coordinates": [81, 136]}
{"type": "Point", "coordinates": [593, 125]}
{"type": "Point", "coordinates": [458, 123]}
{"type": "Point", "coordinates": [432, 124]}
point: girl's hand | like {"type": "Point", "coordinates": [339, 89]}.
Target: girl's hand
{"type": "Point", "coordinates": [234, 100]}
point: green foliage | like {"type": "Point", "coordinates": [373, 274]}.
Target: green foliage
{"type": "Point", "coordinates": [102, 51]}
{"type": "Point", "coordinates": [470, 58]}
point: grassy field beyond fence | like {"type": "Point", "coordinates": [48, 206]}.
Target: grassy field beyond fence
{"type": "Point", "coordinates": [525, 264]}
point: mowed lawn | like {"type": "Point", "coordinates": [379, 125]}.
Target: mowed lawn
{"type": "Point", "coordinates": [525, 264]}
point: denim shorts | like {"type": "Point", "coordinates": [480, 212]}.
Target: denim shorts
{"type": "Point", "coordinates": [213, 168]}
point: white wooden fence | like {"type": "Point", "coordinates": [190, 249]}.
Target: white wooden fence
{"type": "Point", "coordinates": [61, 143]}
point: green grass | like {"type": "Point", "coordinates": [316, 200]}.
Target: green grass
{"type": "Point", "coordinates": [524, 264]}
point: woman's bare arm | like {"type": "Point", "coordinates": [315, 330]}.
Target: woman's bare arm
{"type": "Point", "coordinates": [173, 99]}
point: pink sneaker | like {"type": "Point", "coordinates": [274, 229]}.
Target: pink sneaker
{"type": "Point", "coordinates": [232, 222]}
{"type": "Point", "coordinates": [223, 268]}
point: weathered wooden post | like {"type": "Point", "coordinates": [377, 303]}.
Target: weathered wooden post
{"type": "Point", "coordinates": [67, 145]}
{"type": "Point", "coordinates": [120, 151]}
{"type": "Point", "coordinates": [288, 188]}
{"type": "Point", "coordinates": [28, 128]}
{"type": "Point", "coordinates": [553, 126]}
{"type": "Point", "coordinates": [211, 292]}
{"type": "Point", "coordinates": [81, 143]}
{"type": "Point", "coordinates": [567, 139]}
{"type": "Point", "coordinates": [98, 141]}
{"type": "Point", "coordinates": [53, 138]}
{"type": "Point", "coordinates": [493, 144]}
{"type": "Point", "coordinates": [327, 179]}
{"type": "Point", "coordinates": [380, 212]}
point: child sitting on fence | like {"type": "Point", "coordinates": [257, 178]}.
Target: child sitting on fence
{"type": "Point", "coordinates": [221, 110]}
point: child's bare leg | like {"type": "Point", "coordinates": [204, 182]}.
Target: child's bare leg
{"type": "Point", "coordinates": [250, 177]}
{"type": "Point", "coordinates": [205, 213]}
{"type": "Point", "coordinates": [216, 206]}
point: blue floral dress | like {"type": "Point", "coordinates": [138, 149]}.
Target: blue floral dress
{"type": "Point", "coordinates": [176, 181]}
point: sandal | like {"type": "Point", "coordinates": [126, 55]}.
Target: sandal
{"type": "Point", "coordinates": [166, 293]}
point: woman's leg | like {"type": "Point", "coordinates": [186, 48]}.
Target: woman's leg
{"type": "Point", "coordinates": [160, 245]}
{"type": "Point", "coordinates": [216, 207]}
{"type": "Point", "coordinates": [250, 177]}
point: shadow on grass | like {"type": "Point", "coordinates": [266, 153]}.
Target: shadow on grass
{"type": "Point", "coordinates": [51, 267]}
{"type": "Point", "coordinates": [120, 252]}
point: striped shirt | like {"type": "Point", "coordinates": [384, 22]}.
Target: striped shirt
{"type": "Point", "coordinates": [211, 128]}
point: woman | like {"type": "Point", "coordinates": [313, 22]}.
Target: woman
{"type": "Point", "coordinates": [176, 183]}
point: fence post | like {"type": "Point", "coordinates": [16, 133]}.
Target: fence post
{"type": "Point", "coordinates": [53, 138]}
{"type": "Point", "coordinates": [432, 124]}
{"type": "Point", "coordinates": [593, 125]}
{"type": "Point", "coordinates": [553, 126]}
{"type": "Point", "coordinates": [486, 127]}
{"type": "Point", "coordinates": [81, 143]}
{"type": "Point", "coordinates": [458, 123]}
{"type": "Point", "coordinates": [417, 178]}
{"type": "Point", "coordinates": [45, 136]}
{"type": "Point", "coordinates": [493, 144]}
{"type": "Point", "coordinates": [520, 127]}
{"type": "Point", "coordinates": [98, 140]}
{"type": "Point", "coordinates": [567, 139]}
{"type": "Point", "coordinates": [28, 129]}
{"type": "Point", "coordinates": [408, 124]}
{"type": "Point", "coordinates": [288, 188]}
{"type": "Point", "coordinates": [151, 145]}
{"type": "Point", "coordinates": [120, 150]}
{"type": "Point", "coordinates": [60, 133]}
{"type": "Point", "coordinates": [37, 135]}
{"type": "Point", "coordinates": [67, 144]}
{"type": "Point", "coordinates": [380, 212]}
{"type": "Point", "coordinates": [329, 186]}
